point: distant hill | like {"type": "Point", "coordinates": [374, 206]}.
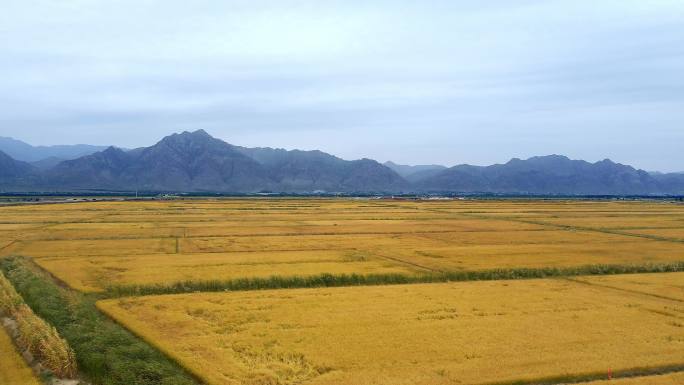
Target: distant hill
{"type": "Point", "coordinates": [673, 182]}
{"type": "Point", "coordinates": [16, 175]}
{"type": "Point", "coordinates": [47, 163]}
{"type": "Point", "coordinates": [553, 174]}
{"type": "Point", "coordinates": [180, 162]}
{"type": "Point", "coordinates": [415, 173]}
{"type": "Point", "coordinates": [197, 162]}
{"type": "Point", "coordinates": [297, 170]}
{"type": "Point", "coordinates": [25, 152]}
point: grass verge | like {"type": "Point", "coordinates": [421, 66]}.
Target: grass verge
{"type": "Point", "coordinates": [336, 280]}
{"type": "Point", "coordinates": [106, 353]}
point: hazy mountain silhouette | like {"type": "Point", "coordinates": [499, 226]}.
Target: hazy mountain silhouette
{"type": "Point", "coordinates": [415, 173]}
{"type": "Point", "coordinates": [25, 152]}
{"type": "Point", "coordinates": [47, 163]}
{"type": "Point", "coordinates": [553, 174]}
{"type": "Point", "coordinates": [17, 175]}
{"type": "Point", "coordinates": [180, 162]}
{"type": "Point", "coordinates": [297, 170]}
{"type": "Point", "coordinates": [197, 162]}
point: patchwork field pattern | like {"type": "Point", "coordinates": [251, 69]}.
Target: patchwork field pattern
{"type": "Point", "coordinates": [93, 245]}
{"type": "Point", "coordinates": [496, 332]}
{"type": "Point", "coordinates": [413, 334]}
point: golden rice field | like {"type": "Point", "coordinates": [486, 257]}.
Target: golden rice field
{"type": "Point", "coordinates": [93, 245]}
{"type": "Point", "coordinates": [13, 368]}
{"type": "Point", "coordinates": [413, 334]}
{"type": "Point", "coordinates": [494, 332]}
{"type": "Point", "coordinates": [666, 286]}
{"type": "Point", "coordinates": [666, 379]}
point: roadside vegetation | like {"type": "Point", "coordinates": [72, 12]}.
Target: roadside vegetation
{"type": "Point", "coordinates": [105, 352]}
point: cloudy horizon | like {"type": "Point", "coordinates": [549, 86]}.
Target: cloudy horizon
{"type": "Point", "coordinates": [445, 82]}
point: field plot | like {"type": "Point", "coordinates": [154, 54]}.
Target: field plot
{"type": "Point", "coordinates": [429, 334]}
{"type": "Point", "coordinates": [668, 286]}
{"type": "Point", "coordinates": [13, 368]}
{"type": "Point", "coordinates": [92, 274]}
{"type": "Point", "coordinates": [670, 233]}
{"type": "Point", "coordinates": [93, 245]}
{"type": "Point", "coordinates": [666, 379]}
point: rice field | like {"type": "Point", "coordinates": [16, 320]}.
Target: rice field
{"type": "Point", "coordinates": [666, 379]}
{"type": "Point", "coordinates": [666, 286]}
{"type": "Point", "coordinates": [13, 368]}
{"type": "Point", "coordinates": [93, 245]}
{"type": "Point", "coordinates": [552, 331]}
{"type": "Point", "coordinates": [411, 334]}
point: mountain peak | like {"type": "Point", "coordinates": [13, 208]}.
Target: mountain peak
{"type": "Point", "coordinates": [194, 134]}
{"type": "Point", "coordinates": [189, 138]}
{"type": "Point", "coordinates": [112, 150]}
{"type": "Point", "coordinates": [196, 161]}
{"type": "Point", "coordinates": [552, 157]}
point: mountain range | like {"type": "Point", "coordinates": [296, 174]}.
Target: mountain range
{"type": "Point", "coordinates": [44, 157]}
{"type": "Point", "coordinates": [197, 162]}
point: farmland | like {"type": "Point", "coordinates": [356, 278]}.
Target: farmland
{"type": "Point", "coordinates": [667, 379]}
{"type": "Point", "coordinates": [338, 291]}
{"type": "Point", "coordinates": [435, 333]}
{"type": "Point", "coordinates": [13, 368]}
{"type": "Point", "coordinates": [91, 246]}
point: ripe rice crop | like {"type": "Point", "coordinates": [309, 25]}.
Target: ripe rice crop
{"type": "Point", "coordinates": [43, 341]}
{"type": "Point", "coordinates": [665, 379]}
{"type": "Point", "coordinates": [9, 299]}
{"type": "Point", "coordinates": [542, 331]}
{"type": "Point", "coordinates": [91, 246]}
{"type": "Point", "coordinates": [668, 286]}
{"type": "Point", "coordinates": [95, 274]}
{"type": "Point", "coordinates": [35, 335]}
{"type": "Point", "coordinates": [13, 368]}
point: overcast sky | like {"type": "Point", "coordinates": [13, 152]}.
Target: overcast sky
{"type": "Point", "coordinates": [410, 81]}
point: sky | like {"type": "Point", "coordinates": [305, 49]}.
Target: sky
{"type": "Point", "coordinates": [415, 82]}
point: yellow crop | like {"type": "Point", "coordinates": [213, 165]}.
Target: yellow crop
{"type": "Point", "coordinates": [35, 335]}
{"type": "Point", "coordinates": [13, 368]}
{"type": "Point", "coordinates": [667, 286]}
{"type": "Point", "coordinates": [470, 332]}
{"type": "Point", "coordinates": [666, 379]}
{"type": "Point", "coordinates": [92, 245]}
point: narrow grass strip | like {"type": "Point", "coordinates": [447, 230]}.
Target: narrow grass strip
{"type": "Point", "coordinates": [337, 280]}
